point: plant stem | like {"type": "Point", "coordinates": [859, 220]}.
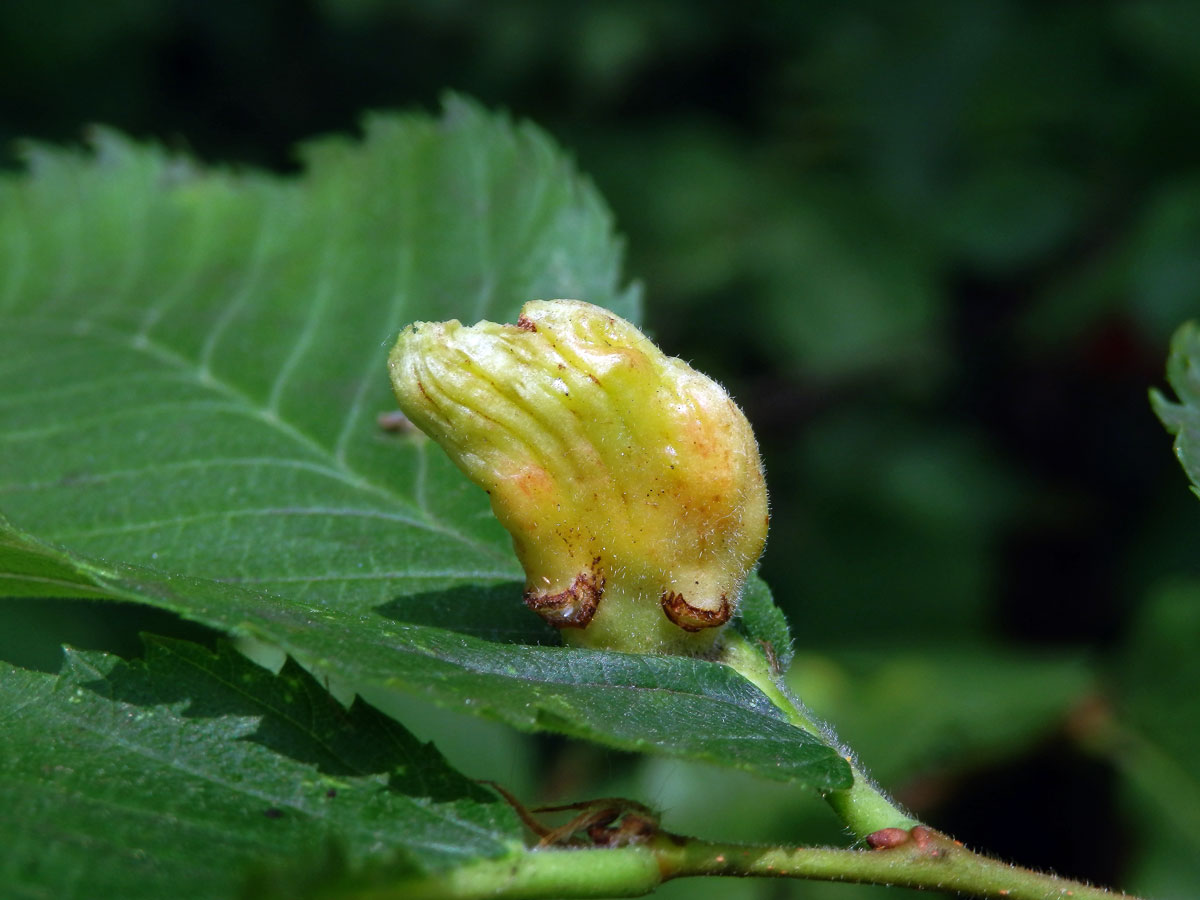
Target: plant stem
{"type": "Point", "coordinates": [927, 860]}
{"type": "Point", "coordinates": [910, 854]}
{"type": "Point", "coordinates": [863, 806]}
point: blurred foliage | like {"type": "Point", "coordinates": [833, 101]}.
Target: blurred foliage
{"type": "Point", "coordinates": [935, 249]}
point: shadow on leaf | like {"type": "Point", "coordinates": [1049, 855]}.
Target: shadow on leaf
{"type": "Point", "coordinates": [492, 612]}
{"type": "Point", "coordinates": [295, 716]}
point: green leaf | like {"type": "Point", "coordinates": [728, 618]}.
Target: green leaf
{"type": "Point", "coordinates": [173, 775]}
{"type": "Point", "coordinates": [761, 620]}
{"type": "Point", "coordinates": [194, 361]}
{"type": "Point", "coordinates": [193, 369]}
{"type": "Point", "coordinates": [1182, 419]}
{"type": "Point", "coordinates": [681, 707]}
{"type": "Point", "coordinates": [30, 568]}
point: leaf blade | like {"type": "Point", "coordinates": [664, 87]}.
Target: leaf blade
{"type": "Point", "coordinates": [234, 364]}
{"type": "Point", "coordinates": [675, 706]}
{"type": "Point", "coordinates": [188, 419]}
{"type": "Point", "coordinates": [1182, 417]}
{"type": "Point", "coordinates": [177, 774]}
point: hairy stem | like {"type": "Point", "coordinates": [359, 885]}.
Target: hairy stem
{"type": "Point", "coordinates": [863, 806]}
{"type": "Point", "coordinates": [926, 860]}
{"type": "Point", "coordinates": [905, 852]}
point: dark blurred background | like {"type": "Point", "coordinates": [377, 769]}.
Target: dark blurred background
{"type": "Point", "coordinates": [935, 249]}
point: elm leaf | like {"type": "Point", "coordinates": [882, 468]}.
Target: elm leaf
{"type": "Point", "coordinates": [195, 415]}
{"type": "Point", "coordinates": [181, 774]}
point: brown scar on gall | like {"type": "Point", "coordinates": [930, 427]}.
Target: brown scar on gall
{"type": "Point", "coordinates": [525, 323]}
{"type": "Point", "coordinates": [572, 608]}
{"type": "Point", "coordinates": [693, 618]}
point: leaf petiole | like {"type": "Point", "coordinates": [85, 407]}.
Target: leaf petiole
{"type": "Point", "coordinates": [863, 806]}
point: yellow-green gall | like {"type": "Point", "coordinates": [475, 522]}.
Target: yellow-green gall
{"type": "Point", "coordinates": [630, 483]}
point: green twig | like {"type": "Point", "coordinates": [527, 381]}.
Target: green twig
{"type": "Point", "coordinates": [925, 859]}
